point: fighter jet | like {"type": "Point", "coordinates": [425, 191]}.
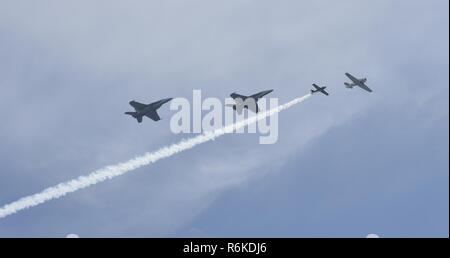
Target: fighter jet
{"type": "Point", "coordinates": [319, 89]}
{"type": "Point", "coordinates": [357, 82]}
{"type": "Point", "coordinates": [248, 102]}
{"type": "Point", "coordinates": [146, 110]}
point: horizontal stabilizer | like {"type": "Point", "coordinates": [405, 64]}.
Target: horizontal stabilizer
{"type": "Point", "coordinates": [135, 115]}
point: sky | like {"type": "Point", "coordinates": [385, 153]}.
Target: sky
{"type": "Point", "coordinates": [346, 165]}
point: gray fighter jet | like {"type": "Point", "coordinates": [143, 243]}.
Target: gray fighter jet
{"type": "Point", "coordinates": [146, 110]}
{"type": "Point", "coordinates": [248, 102]}
{"type": "Point", "coordinates": [319, 89]}
{"type": "Point", "coordinates": [356, 82]}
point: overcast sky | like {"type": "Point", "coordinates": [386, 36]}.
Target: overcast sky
{"type": "Point", "coordinates": [346, 165]}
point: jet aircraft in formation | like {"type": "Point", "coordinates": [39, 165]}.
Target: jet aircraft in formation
{"type": "Point", "coordinates": [149, 110]}
{"type": "Point", "coordinates": [248, 102]}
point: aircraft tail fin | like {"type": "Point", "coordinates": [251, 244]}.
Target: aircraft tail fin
{"type": "Point", "coordinates": [348, 85]}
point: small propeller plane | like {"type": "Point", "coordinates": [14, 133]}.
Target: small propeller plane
{"type": "Point", "coordinates": [319, 89]}
{"type": "Point", "coordinates": [356, 82]}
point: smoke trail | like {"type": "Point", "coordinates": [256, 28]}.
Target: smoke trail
{"type": "Point", "coordinates": [109, 172]}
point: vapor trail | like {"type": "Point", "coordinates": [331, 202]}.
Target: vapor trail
{"type": "Point", "coordinates": [109, 172]}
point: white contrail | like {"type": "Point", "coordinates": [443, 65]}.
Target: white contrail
{"type": "Point", "coordinates": [109, 172]}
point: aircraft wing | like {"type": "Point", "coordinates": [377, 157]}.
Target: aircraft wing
{"type": "Point", "coordinates": [315, 86]}
{"type": "Point", "coordinates": [364, 87]}
{"type": "Point", "coordinates": [237, 96]}
{"type": "Point", "coordinates": [137, 106]}
{"type": "Point", "coordinates": [351, 77]}
{"type": "Point", "coordinates": [153, 115]}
